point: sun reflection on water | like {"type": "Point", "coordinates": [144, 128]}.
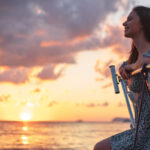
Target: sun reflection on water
{"type": "Point", "coordinates": [24, 139]}
{"type": "Point", "coordinates": [24, 128]}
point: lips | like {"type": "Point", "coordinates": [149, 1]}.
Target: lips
{"type": "Point", "coordinates": [126, 29]}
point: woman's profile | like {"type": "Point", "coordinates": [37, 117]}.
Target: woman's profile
{"type": "Point", "coordinates": [137, 28]}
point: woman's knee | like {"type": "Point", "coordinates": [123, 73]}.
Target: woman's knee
{"type": "Point", "coordinates": [97, 146]}
{"type": "Point", "coordinates": [103, 145]}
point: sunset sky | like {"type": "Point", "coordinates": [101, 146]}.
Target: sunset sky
{"type": "Point", "coordinates": [55, 57]}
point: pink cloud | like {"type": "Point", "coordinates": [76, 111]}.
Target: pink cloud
{"type": "Point", "coordinates": [54, 34]}
{"type": "Point", "coordinates": [48, 73]}
{"type": "Point", "coordinates": [60, 28]}
{"type": "Point", "coordinates": [16, 76]}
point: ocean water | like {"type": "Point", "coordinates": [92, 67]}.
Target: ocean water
{"type": "Point", "coordinates": [56, 135]}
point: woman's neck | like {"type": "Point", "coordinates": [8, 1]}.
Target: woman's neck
{"type": "Point", "coordinates": [141, 44]}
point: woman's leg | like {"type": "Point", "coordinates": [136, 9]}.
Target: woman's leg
{"type": "Point", "coordinates": [103, 145]}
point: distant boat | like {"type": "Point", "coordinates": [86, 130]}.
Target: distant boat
{"type": "Point", "coordinates": [121, 120]}
{"type": "Point", "coordinates": [79, 120]}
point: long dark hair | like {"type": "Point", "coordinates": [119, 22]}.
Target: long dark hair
{"type": "Point", "coordinates": [144, 15]}
{"type": "Point", "coordinates": [133, 55]}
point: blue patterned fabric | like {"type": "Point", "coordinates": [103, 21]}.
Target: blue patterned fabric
{"type": "Point", "coordinates": [124, 140]}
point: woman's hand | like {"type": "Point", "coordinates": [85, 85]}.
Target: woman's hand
{"type": "Point", "coordinates": [125, 71]}
{"type": "Point", "coordinates": [130, 68]}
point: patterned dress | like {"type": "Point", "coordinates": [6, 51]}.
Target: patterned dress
{"type": "Point", "coordinates": [124, 140]}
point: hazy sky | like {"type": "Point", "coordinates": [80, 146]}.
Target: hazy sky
{"type": "Point", "coordinates": [55, 57]}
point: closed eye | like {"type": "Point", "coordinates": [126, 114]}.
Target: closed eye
{"type": "Point", "coordinates": [129, 18]}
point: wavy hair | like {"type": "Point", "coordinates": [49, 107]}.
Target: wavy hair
{"type": "Point", "coordinates": [144, 15]}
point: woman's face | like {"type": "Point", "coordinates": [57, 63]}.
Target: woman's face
{"type": "Point", "coordinates": [132, 25]}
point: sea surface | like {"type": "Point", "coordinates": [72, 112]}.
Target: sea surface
{"type": "Point", "coordinates": [56, 135]}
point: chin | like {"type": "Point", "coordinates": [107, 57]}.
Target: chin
{"type": "Point", "coordinates": [127, 35]}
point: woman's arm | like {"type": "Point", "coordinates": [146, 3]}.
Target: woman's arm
{"type": "Point", "coordinates": [138, 64]}
{"type": "Point", "coordinates": [123, 72]}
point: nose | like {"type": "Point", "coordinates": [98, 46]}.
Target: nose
{"type": "Point", "coordinates": [124, 23]}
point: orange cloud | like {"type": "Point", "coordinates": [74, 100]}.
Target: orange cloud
{"type": "Point", "coordinates": [40, 32]}
{"type": "Point", "coordinates": [4, 98]}
{"type": "Point", "coordinates": [71, 42]}
{"type": "Point", "coordinates": [37, 90]}
{"type": "Point", "coordinates": [79, 39]}
{"type": "Point", "coordinates": [50, 43]}
{"type": "Point", "coordinates": [52, 103]}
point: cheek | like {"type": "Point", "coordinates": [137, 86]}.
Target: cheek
{"type": "Point", "coordinates": [136, 26]}
{"type": "Point", "coordinates": [134, 30]}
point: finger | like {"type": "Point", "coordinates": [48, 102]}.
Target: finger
{"type": "Point", "coordinates": [121, 70]}
{"type": "Point", "coordinates": [125, 75]}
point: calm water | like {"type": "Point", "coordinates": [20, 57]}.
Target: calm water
{"type": "Point", "coordinates": [56, 136]}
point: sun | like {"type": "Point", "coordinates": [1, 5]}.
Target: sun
{"type": "Point", "coordinates": [25, 116]}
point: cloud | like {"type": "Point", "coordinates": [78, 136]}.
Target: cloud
{"type": "Point", "coordinates": [38, 33]}
{"type": "Point", "coordinates": [48, 73]}
{"type": "Point", "coordinates": [120, 104]}
{"type": "Point", "coordinates": [103, 68]}
{"type": "Point", "coordinates": [107, 85]}
{"type": "Point", "coordinates": [52, 103]}
{"type": "Point", "coordinates": [35, 33]}
{"type": "Point", "coordinates": [16, 76]}
{"type": "Point", "coordinates": [105, 104]}
{"type": "Point", "coordinates": [4, 98]}
{"type": "Point", "coordinates": [91, 105]}
{"type": "Point", "coordinates": [37, 90]}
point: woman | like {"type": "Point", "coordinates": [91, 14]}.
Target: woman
{"type": "Point", "coordinates": [137, 27]}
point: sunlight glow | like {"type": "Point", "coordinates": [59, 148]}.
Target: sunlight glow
{"type": "Point", "coordinates": [29, 104]}
{"type": "Point", "coordinates": [25, 116]}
